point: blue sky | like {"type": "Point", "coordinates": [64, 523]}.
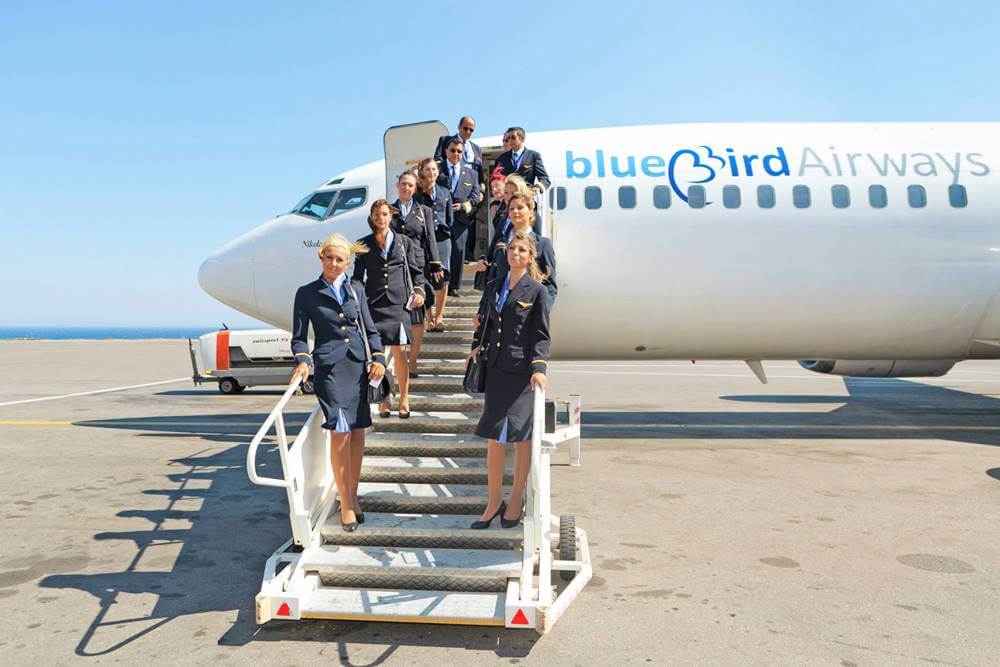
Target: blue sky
{"type": "Point", "coordinates": [138, 137]}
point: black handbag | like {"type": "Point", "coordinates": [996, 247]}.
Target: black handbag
{"type": "Point", "coordinates": [385, 388]}
{"type": "Point", "coordinates": [479, 281]}
{"type": "Point", "coordinates": [475, 374]}
{"type": "Point", "coordinates": [475, 370]}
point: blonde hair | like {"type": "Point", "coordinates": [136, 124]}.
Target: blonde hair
{"type": "Point", "coordinates": [520, 185]}
{"type": "Point", "coordinates": [340, 241]}
{"type": "Point", "coordinates": [533, 270]}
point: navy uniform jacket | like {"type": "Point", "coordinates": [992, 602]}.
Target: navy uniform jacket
{"type": "Point", "coordinates": [516, 339]}
{"type": "Point", "coordinates": [477, 152]}
{"type": "Point", "coordinates": [419, 227]}
{"type": "Point", "coordinates": [441, 209]}
{"type": "Point", "coordinates": [498, 269]}
{"type": "Point", "coordinates": [466, 190]}
{"type": "Point", "coordinates": [335, 330]}
{"type": "Point", "coordinates": [531, 170]}
{"type": "Point", "coordinates": [383, 277]}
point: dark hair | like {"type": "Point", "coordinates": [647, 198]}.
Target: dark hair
{"type": "Point", "coordinates": [460, 120]}
{"type": "Point", "coordinates": [519, 131]}
{"type": "Point", "coordinates": [377, 204]}
{"type": "Point", "coordinates": [454, 141]}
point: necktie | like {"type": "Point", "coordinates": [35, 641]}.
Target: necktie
{"type": "Point", "coordinates": [454, 177]}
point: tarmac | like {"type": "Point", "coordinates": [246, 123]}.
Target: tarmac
{"type": "Point", "coordinates": [812, 520]}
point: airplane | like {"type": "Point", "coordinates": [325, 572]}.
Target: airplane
{"type": "Point", "coordinates": [864, 249]}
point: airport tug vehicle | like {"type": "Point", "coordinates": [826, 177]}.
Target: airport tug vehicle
{"type": "Point", "coordinates": [415, 559]}
{"type": "Point", "coordinates": [241, 359]}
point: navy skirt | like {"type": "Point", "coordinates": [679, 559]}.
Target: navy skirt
{"type": "Point", "coordinates": [507, 407]}
{"type": "Point", "coordinates": [342, 390]}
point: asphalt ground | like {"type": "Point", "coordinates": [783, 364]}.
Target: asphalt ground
{"type": "Point", "coordinates": [812, 520]}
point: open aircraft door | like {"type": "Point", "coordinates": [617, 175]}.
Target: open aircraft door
{"type": "Point", "coordinates": [405, 146]}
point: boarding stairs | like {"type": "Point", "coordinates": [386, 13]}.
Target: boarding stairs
{"type": "Point", "coordinates": [423, 482]}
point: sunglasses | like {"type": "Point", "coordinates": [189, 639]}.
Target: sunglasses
{"type": "Point", "coordinates": [454, 150]}
{"type": "Point", "coordinates": [467, 129]}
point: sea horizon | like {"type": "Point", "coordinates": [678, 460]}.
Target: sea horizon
{"type": "Point", "coordinates": [106, 332]}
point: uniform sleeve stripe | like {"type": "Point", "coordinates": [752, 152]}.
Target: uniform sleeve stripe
{"type": "Point", "coordinates": [303, 354]}
{"type": "Point", "coordinates": [540, 361]}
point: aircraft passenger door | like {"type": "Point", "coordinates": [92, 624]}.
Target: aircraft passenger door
{"type": "Point", "coordinates": [548, 203]}
{"type": "Point", "coordinates": [405, 146]}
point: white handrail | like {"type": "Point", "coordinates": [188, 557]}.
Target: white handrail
{"type": "Point", "coordinates": [535, 542]}
{"type": "Point", "coordinates": [275, 415]}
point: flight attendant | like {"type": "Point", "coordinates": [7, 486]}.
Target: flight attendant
{"type": "Point", "coordinates": [416, 221]}
{"type": "Point", "coordinates": [521, 212]}
{"type": "Point", "coordinates": [515, 337]}
{"type": "Point", "coordinates": [437, 198]}
{"type": "Point", "coordinates": [338, 362]}
{"type": "Point", "coordinates": [393, 280]}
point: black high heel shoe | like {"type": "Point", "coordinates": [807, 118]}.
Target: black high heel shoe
{"type": "Point", "coordinates": [482, 525]}
{"type": "Point", "coordinates": [510, 523]}
{"type": "Point", "coordinates": [359, 517]}
{"type": "Point", "coordinates": [349, 527]}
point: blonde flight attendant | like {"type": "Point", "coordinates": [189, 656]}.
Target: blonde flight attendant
{"type": "Point", "coordinates": [334, 306]}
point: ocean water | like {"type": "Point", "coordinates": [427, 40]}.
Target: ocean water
{"type": "Point", "coordinates": [99, 333]}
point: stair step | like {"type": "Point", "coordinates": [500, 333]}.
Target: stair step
{"type": "Point", "coordinates": [464, 570]}
{"type": "Point", "coordinates": [437, 383]}
{"type": "Point", "coordinates": [443, 531]}
{"type": "Point", "coordinates": [463, 424]}
{"type": "Point", "coordinates": [400, 504]}
{"type": "Point", "coordinates": [442, 367]}
{"type": "Point", "coordinates": [397, 446]}
{"type": "Point", "coordinates": [456, 403]}
{"type": "Point", "coordinates": [455, 324]}
{"type": "Point", "coordinates": [464, 309]}
{"type": "Point", "coordinates": [401, 475]}
{"type": "Point", "coordinates": [405, 606]}
{"type": "Point", "coordinates": [425, 462]}
{"type": "Point", "coordinates": [452, 336]}
{"type": "Point", "coordinates": [450, 351]}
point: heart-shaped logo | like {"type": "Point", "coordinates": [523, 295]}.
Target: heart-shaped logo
{"type": "Point", "coordinates": [689, 167]}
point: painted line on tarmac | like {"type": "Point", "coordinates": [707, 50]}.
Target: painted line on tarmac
{"type": "Point", "coordinates": [793, 427]}
{"type": "Point", "coordinates": [748, 376]}
{"type": "Point", "coordinates": [95, 391]}
{"type": "Point", "coordinates": [32, 422]}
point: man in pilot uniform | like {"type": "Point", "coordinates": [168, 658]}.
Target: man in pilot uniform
{"type": "Point", "coordinates": [472, 155]}
{"type": "Point", "coordinates": [463, 182]}
{"type": "Point", "coordinates": [524, 162]}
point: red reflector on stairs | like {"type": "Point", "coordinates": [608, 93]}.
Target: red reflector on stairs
{"type": "Point", "coordinates": [283, 610]}
{"type": "Point", "coordinates": [519, 618]}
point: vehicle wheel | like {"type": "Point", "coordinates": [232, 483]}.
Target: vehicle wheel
{"type": "Point", "coordinates": [308, 387]}
{"type": "Point", "coordinates": [229, 386]}
{"type": "Point", "coordinates": [567, 544]}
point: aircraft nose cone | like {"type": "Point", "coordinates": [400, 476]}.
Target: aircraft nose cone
{"type": "Point", "coordinates": [227, 276]}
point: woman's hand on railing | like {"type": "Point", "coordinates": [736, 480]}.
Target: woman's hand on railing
{"type": "Point", "coordinates": [538, 380]}
{"type": "Point", "coordinates": [376, 371]}
{"type": "Point", "coordinates": [301, 372]}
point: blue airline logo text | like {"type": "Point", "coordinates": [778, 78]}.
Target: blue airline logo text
{"type": "Point", "coordinates": [695, 166]}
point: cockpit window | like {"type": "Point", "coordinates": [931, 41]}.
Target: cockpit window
{"type": "Point", "coordinates": [349, 198]}
{"type": "Point", "coordinates": [316, 205]}
{"type": "Point", "coordinates": [326, 204]}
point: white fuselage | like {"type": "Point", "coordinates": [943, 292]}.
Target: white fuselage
{"type": "Point", "coordinates": [857, 282]}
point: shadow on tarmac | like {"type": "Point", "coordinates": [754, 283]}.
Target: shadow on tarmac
{"type": "Point", "coordinates": [876, 409]}
{"type": "Point", "coordinates": [205, 549]}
